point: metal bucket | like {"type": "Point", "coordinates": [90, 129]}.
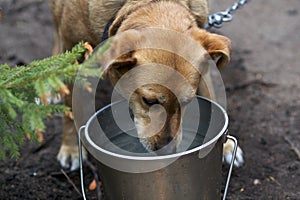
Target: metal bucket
{"type": "Point", "coordinates": [193, 173]}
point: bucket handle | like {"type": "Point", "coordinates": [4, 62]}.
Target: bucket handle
{"type": "Point", "coordinates": [231, 164]}
{"type": "Point", "coordinates": [81, 161]}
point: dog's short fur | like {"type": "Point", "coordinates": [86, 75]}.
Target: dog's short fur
{"type": "Point", "coordinates": [85, 20]}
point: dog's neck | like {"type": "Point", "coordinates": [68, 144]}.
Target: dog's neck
{"type": "Point", "coordinates": [154, 14]}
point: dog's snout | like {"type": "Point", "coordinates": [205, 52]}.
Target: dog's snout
{"type": "Point", "coordinates": [168, 139]}
{"type": "Point", "coordinates": [165, 140]}
{"type": "Point", "coordinates": [166, 149]}
{"type": "Point", "coordinates": [166, 146]}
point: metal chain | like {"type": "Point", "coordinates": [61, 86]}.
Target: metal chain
{"type": "Point", "coordinates": [217, 19]}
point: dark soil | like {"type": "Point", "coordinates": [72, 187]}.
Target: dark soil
{"type": "Point", "coordinates": [263, 90]}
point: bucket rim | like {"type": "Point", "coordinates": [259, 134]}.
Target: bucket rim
{"type": "Point", "coordinates": [156, 157]}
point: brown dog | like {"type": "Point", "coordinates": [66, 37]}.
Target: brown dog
{"type": "Point", "coordinates": [85, 20]}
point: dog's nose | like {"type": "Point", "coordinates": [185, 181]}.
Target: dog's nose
{"type": "Point", "coordinates": [164, 142]}
{"type": "Point", "coordinates": [168, 139]}
{"type": "Point", "coordinates": [167, 147]}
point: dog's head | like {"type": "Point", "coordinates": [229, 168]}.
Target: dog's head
{"type": "Point", "coordinates": [160, 82]}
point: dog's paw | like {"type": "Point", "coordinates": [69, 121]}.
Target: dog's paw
{"type": "Point", "coordinates": [49, 100]}
{"type": "Point", "coordinates": [227, 154]}
{"type": "Point", "coordinates": [57, 99]}
{"type": "Point", "coordinates": [68, 156]}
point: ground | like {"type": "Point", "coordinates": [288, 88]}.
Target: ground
{"type": "Point", "coordinates": [263, 90]}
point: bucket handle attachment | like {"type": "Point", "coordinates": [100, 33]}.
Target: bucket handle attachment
{"type": "Point", "coordinates": [81, 161]}
{"type": "Point", "coordinates": [231, 164]}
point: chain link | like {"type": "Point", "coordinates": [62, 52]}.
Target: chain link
{"type": "Point", "coordinates": [217, 19]}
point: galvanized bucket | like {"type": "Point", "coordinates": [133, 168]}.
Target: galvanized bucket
{"type": "Point", "coordinates": [194, 173]}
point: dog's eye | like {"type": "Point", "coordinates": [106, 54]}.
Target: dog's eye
{"type": "Point", "coordinates": [150, 102]}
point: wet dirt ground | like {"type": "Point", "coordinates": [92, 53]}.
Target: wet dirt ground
{"type": "Point", "coordinates": [263, 100]}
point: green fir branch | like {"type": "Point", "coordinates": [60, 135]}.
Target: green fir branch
{"type": "Point", "coordinates": [20, 116]}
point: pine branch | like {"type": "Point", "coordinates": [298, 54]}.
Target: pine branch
{"type": "Point", "coordinates": [20, 116]}
{"type": "Point", "coordinates": [41, 69]}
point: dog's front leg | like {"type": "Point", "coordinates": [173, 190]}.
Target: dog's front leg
{"type": "Point", "coordinates": [206, 89]}
{"type": "Point", "coordinates": [68, 153]}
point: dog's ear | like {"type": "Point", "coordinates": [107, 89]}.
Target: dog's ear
{"type": "Point", "coordinates": [217, 46]}
{"type": "Point", "coordinates": [120, 66]}
{"type": "Point", "coordinates": [122, 55]}
{"type": "Point", "coordinates": [115, 25]}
